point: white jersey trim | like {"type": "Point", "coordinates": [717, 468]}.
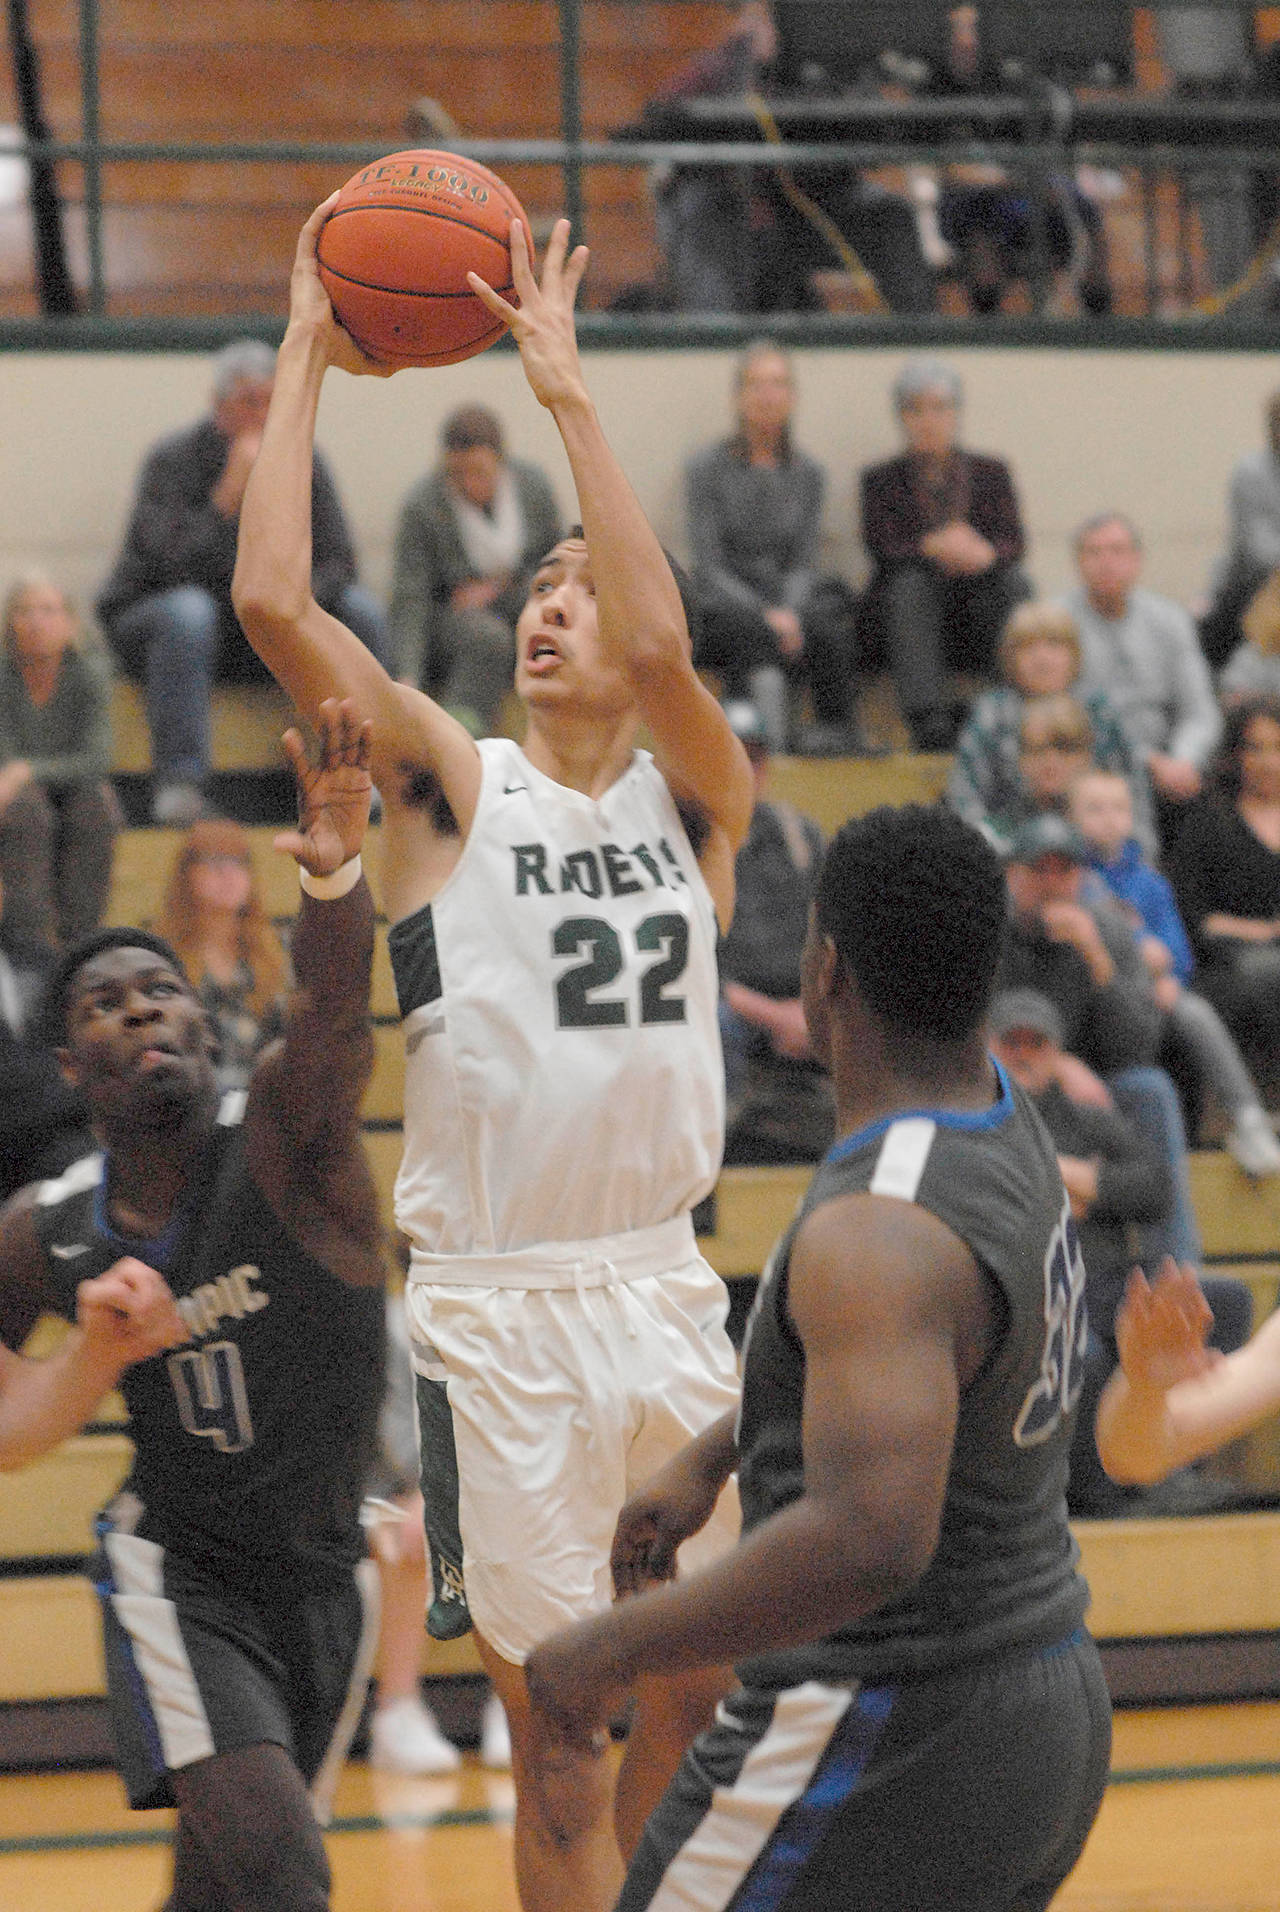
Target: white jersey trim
{"type": "Point", "coordinates": [903, 1154]}
{"type": "Point", "coordinates": [151, 1622]}
{"type": "Point", "coordinates": [714, 1861]}
{"type": "Point", "coordinates": [86, 1173]}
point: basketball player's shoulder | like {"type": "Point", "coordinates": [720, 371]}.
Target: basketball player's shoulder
{"type": "Point", "coordinates": [18, 1217]}
{"type": "Point", "coordinates": [74, 1184]}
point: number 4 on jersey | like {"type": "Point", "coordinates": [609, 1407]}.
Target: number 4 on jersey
{"type": "Point", "coordinates": [213, 1402]}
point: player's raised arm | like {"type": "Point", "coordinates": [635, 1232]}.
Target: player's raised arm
{"type": "Point", "coordinates": [641, 617]}
{"type": "Point", "coordinates": [311, 654]}
{"type": "Point", "coordinates": [1173, 1399]}
{"type": "Point", "coordinates": [303, 1114]}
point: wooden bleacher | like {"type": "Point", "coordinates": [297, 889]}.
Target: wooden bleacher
{"type": "Point", "coordinates": [247, 722]}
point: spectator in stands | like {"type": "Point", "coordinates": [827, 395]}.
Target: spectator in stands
{"type": "Point", "coordinates": [1225, 870]}
{"type": "Point", "coordinates": [1082, 957]}
{"type": "Point", "coordinates": [751, 238]}
{"type": "Point", "coordinates": [769, 617]}
{"type": "Point", "coordinates": [1252, 551]}
{"type": "Point", "coordinates": [1208, 54]}
{"type": "Point", "coordinates": [944, 533]}
{"type": "Point", "coordinates": [470, 536]}
{"type": "Point", "coordinates": [214, 918]}
{"type": "Point", "coordinates": [58, 811]}
{"type": "Point", "coordinates": [1039, 656]}
{"type": "Point", "coordinates": [166, 608]}
{"type": "Point", "coordinates": [1253, 668]}
{"type": "Point", "coordinates": [1113, 1183]}
{"type": "Point", "coordinates": [1000, 227]}
{"type": "Point", "coordinates": [1080, 951]}
{"type": "Point", "coordinates": [1101, 810]}
{"type": "Point", "coordinates": [1142, 650]}
{"type": "Point", "coordinates": [1055, 746]}
{"type": "Point", "coordinates": [779, 1100]}
{"type": "Point", "coordinates": [44, 1123]}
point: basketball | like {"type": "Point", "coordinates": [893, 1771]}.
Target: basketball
{"type": "Point", "coordinates": [395, 251]}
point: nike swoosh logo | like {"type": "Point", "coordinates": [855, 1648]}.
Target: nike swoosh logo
{"type": "Point", "coordinates": [66, 1251]}
{"type": "Point", "coordinates": [509, 789]}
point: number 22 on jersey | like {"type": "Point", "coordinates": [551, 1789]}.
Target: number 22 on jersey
{"type": "Point", "coordinates": [586, 995]}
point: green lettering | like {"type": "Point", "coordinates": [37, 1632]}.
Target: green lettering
{"type": "Point", "coordinates": [617, 868]}
{"type": "Point", "coordinates": [581, 871]}
{"type": "Point", "coordinates": [531, 868]}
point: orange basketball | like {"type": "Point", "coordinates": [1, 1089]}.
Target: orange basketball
{"type": "Point", "coordinates": [395, 252]}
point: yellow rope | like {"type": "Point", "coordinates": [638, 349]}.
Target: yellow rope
{"type": "Point", "coordinates": [866, 288]}
{"type": "Point", "coordinates": [1215, 302]}
{"type": "Point", "coordinates": [863, 284]}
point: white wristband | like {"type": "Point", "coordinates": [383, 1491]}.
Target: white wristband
{"type": "Point", "coordinates": [330, 888]}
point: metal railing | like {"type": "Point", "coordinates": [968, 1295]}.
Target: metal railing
{"type": "Point", "coordinates": [1152, 139]}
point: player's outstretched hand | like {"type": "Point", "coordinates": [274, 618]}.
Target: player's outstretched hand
{"type": "Point", "coordinates": [1162, 1329]}
{"type": "Point", "coordinates": [678, 1501]}
{"type": "Point", "coordinates": [129, 1314]}
{"type": "Point", "coordinates": [309, 303]}
{"type": "Point", "coordinates": [334, 793]}
{"type": "Point", "coordinates": [542, 324]}
{"type": "Point", "coordinates": [575, 1691]}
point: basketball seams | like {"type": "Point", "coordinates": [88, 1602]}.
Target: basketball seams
{"type": "Point", "coordinates": [436, 211]}
{"type": "Point", "coordinates": [409, 292]}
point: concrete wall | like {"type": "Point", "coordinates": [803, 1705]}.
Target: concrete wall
{"type": "Point", "coordinates": [1150, 433]}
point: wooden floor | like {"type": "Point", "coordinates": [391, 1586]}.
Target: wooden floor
{"type": "Point", "coordinates": [1191, 1823]}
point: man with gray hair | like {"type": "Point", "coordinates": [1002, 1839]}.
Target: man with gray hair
{"type": "Point", "coordinates": [166, 608]}
{"type": "Point", "coordinates": [1143, 650]}
{"type": "Point", "coordinates": [944, 533]}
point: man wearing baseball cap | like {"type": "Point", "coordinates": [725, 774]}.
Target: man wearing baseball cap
{"type": "Point", "coordinates": [1076, 950]}
{"type": "Point", "coordinates": [1073, 946]}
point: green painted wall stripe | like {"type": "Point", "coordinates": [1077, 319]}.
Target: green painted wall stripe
{"type": "Point", "coordinates": [162, 1835]}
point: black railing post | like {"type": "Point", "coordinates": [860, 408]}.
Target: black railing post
{"type": "Point", "coordinates": [57, 293]}
{"type": "Point", "coordinates": [571, 111]}
{"type": "Point", "coordinates": [91, 128]}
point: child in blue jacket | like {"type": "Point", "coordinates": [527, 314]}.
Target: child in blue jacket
{"type": "Point", "coordinates": [1101, 808]}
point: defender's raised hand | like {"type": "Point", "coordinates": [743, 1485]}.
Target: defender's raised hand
{"type": "Point", "coordinates": [1162, 1329]}
{"type": "Point", "coordinates": [334, 793]}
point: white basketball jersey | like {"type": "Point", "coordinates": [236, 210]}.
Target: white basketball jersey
{"type": "Point", "coordinates": [563, 1074]}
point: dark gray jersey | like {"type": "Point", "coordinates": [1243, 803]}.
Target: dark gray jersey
{"type": "Point", "coordinates": [1004, 1572]}
{"type": "Point", "coordinates": [253, 1441]}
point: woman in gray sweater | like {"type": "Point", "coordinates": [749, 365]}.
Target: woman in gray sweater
{"type": "Point", "coordinates": [58, 811]}
{"type": "Point", "coordinates": [769, 617]}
